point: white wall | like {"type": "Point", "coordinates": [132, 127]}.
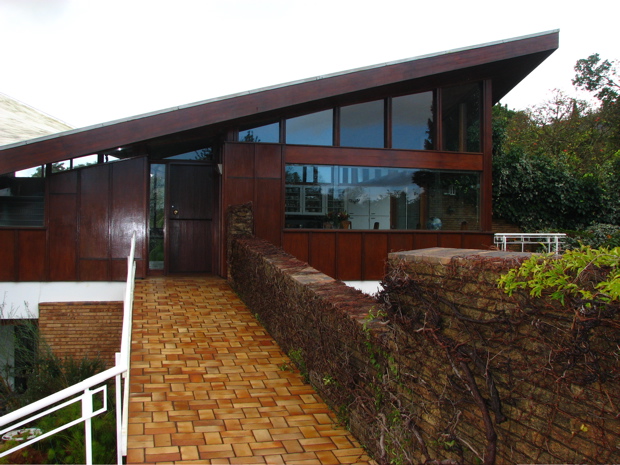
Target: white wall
{"type": "Point", "coordinates": [21, 300]}
{"type": "Point", "coordinates": [367, 287]}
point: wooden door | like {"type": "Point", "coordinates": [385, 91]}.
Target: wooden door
{"type": "Point", "coordinates": [190, 218]}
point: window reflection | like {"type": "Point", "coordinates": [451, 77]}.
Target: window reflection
{"type": "Point", "coordinates": [381, 198]}
{"type": "Point", "coordinates": [86, 160]}
{"type": "Point", "coordinates": [269, 133]}
{"type": "Point", "coordinates": [313, 129]}
{"type": "Point", "coordinates": [412, 122]}
{"type": "Point", "coordinates": [362, 125]}
{"type": "Point", "coordinates": [22, 198]}
{"type": "Point", "coordinates": [157, 196]}
{"type": "Point", "coordinates": [461, 118]}
{"type": "Point", "coordinates": [205, 154]}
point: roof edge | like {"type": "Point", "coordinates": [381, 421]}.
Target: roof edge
{"type": "Point", "coordinates": [269, 88]}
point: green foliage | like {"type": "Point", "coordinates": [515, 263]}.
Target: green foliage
{"type": "Point", "coordinates": [595, 236]}
{"type": "Point", "coordinates": [44, 374]}
{"type": "Point", "coordinates": [557, 164]}
{"type": "Point", "coordinates": [598, 76]}
{"type": "Point", "coordinates": [297, 357]}
{"type": "Point", "coordinates": [585, 274]}
{"type": "Point", "coordinates": [537, 193]}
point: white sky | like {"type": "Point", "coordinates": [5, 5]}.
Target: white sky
{"type": "Point", "coordinates": [91, 61]}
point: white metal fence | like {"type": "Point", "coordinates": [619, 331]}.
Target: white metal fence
{"type": "Point", "coordinates": [551, 241]}
{"type": "Point", "coordinates": [85, 391]}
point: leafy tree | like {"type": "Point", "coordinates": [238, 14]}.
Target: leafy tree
{"type": "Point", "coordinates": [596, 76]}
{"type": "Point", "coordinates": [557, 165]}
{"type": "Point", "coordinates": [601, 78]}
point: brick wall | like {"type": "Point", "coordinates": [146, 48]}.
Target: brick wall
{"type": "Point", "coordinates": [503, 226]}
{"type": "Point", "coordinates": [466, 379]}
{"type": "Point", "coordinates": [82, 329]}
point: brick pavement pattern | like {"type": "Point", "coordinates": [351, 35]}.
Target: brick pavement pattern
{"type": "Point", "coordinates": [210, 386]}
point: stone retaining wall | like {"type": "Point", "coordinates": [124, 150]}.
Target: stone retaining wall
{"type": "Point", "coordinates": [448, 384]}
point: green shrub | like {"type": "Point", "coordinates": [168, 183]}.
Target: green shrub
{"type": "Point", "coordinates": [595, 236]}
{"type": "Point", "coordinates": [584, 274]}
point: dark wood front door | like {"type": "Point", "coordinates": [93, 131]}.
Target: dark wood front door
{"type": "Point", "coordinates": [190, 218]}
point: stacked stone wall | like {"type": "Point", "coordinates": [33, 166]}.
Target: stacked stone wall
{"type": "Point", "coordinates": [444, 367]}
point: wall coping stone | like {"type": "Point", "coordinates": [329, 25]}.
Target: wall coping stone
{"type": "Point", "coordinates": [444, 255]}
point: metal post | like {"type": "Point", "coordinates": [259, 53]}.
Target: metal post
{"type": "Point", "coordinates": [87, 412]}
{"type": "Point", "coordinates": [119, 418]}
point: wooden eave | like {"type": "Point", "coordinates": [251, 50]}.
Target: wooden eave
{"type": "Point", "coordinates": [506, 63]}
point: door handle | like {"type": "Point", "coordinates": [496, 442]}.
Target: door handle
{"type": "Point", "coordinates": [175, 210]}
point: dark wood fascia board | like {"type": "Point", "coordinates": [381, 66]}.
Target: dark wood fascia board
{"type": "Point", "coordinates": [159, 124]}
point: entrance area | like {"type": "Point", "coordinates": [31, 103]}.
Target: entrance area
{"type": "Point", "coordinates": [182, 199]}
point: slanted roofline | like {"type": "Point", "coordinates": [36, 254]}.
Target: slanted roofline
{"type": "Point", "coordinates": [507, 62]}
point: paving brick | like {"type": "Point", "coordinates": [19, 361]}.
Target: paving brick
{"type": "Point", "coordinates": [208, 388]}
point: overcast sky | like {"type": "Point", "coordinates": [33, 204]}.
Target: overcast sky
{"type": "Point", "coordinates": [91, 61]}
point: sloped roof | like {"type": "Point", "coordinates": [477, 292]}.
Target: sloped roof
{"type": "Point", "coordinates": [19, 122]}
{"type": "Point", "coordinates": [506, 62]}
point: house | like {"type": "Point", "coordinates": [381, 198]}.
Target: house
{"type": "Point", "coordinates": [340, 169]}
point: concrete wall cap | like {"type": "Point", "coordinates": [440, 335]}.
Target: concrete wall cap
{"type": "Point", "coordinates": [443, 255]}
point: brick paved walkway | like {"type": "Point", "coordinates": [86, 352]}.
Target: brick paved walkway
{"type": "Point", "coordinates": [210, 386]}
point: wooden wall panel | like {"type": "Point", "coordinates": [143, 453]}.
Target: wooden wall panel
{"type": "Point", "coordinates": [62, 237]}
{"type": "Point", "coordinates": [239, 191]}
{"type": "Point", "coordinates": [383, 157]}
{"type": "Point", "coordinates": [349, 258]}
{"type": "Point", "coordinates": [268, 161]}
{"type": "Point", "coordinates": [425, 240]}
{"type": "Point", "coordinates": [239, 160]}
{"type": "Point", "coordinates": [375, 256]}
{"type": "Point", "coordinates": [450, 240]}
{"type": "Point", "coordinates": [323, 253]}
{"type": "Point", "coordinates": [401, 241]}
{"type": "Point", "coordinates": [94, 212]}
{"type": "Point", "coordinates": [94, 270]}
{"type": "Point", "coordinates": [119, 269]}
{"type": "Point", "coordinates": [361, 255]}
{"type": "Point", "coordinates": [268, 208]}
{"type": "Point", "coordinates": [477, 241]}
{"type": "Point", "coordinates": [64, 182]}
{"type": "Point", "coordinates": [297, 244]}
{"type": "Point", "coordinates": [31, 255]}
{"type": "Point", "coordinates": [8, 255]}
{"type": "Point", "coordinates": [129, 208]}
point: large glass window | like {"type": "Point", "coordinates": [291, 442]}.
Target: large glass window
{"type": "Point", "coordinates": [362, 125]}
{"type": "Point", "coordinates": [357, 197]}
{"type": "Point", "coordinates": [22, 196]}
{"type": "Point", "coordinates": [412, 122]}
{"type": "Point", "coordinates": [267, 133]}
{"type": "Point", "coordinates": [461, 118]}
{"type": "Point", "coordinates": [312, 129]}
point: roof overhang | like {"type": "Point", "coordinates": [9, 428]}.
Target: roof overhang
{"type": "Point", "coordinates": [505, 62]}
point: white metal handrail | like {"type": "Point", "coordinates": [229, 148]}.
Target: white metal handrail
{"type": "Point", "coordinates": [18, 418]}
{"type": "Point", "coordinates": [552, 241]}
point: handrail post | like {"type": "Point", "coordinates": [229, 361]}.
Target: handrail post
{"type": "Point", "coordinates": [87, 413]}
{"type": "Point", "coordinates": [119, 418]}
